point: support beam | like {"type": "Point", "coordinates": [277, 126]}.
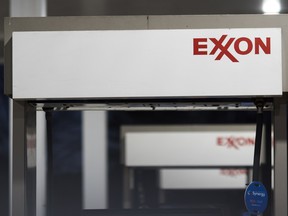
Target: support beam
{"type": "Point", "coordinates": [267, 165]}
{"type": "Point", "coordinates": [33, 8]}
{"type": "Point", "coordinates": [94, 160]}
{"type": "Point", "coordinates": [280, 136]}
{"type": "Point", "coordinates": [41, 164]}
{"type": "Point", "coordinates": [23, 160]}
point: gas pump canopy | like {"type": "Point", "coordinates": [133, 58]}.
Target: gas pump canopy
{"type": "Point", "coordinates": [141, 62]}
{"type": "Point", "coordinates": [145, 57]}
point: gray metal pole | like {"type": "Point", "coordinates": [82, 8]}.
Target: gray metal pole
{"type": "Point", "coordinates": [94, 166]}
{"type": "Point", "coordinates": [32, 8]}
{"type": "Point", "coordinates": [23, 160]}
{"type": "Point", "coordinates": [280, 136]}
{"type": "Point", "coordinates": [267, 166]}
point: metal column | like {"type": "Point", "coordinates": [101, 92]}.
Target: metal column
{"type": "Point", "coordinates": [127, 196]}
{"type": "Point", "coordinates": [94, 159]}
{"type": "Point", "coordinates": [267, 165]}
{"type": "Point", "coordinates": [280, 138]}
{"type": "Point", "coordinates": [31, 8]}
{"type": "Point", "coordinates": [23, 160]}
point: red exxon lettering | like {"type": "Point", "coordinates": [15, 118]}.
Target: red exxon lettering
{"type": "Point", "coordinates": [200, 46]}
{"type": "Point", "coordinates": [235, 142]}
{"type": "Point", "coordinates": [226, 46]}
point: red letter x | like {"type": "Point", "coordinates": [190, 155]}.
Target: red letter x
{"type": "Point", "coordinates": [224, 49]}
{"type": "Point", "coordinates": [231, 143]}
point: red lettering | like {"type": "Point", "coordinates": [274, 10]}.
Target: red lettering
{"type": "Point", "coordinates": [250, 141]}
{"type": "Point", "coordinates": [219, 141]}
{"type": "Point", "coordinates": [241, 141]}
{"type": "Point", "coordinates": [233, 172]}
{"type": "Point", "coordinates": [200, 46]}
{"type": "Point", "coordinates": [223, 49]}
{"type": "Point", "coordinates": [242, 46]}
{"type": "Point", "coordinates": [220, 41]}
{"type": "Point", "coordinates": [247, 50]}
{"type": "Point", "coordinates": [235, 142]}
{"type": "Point", "coordinates": [265, 47]}
{"type": "Point", "coordinates": [231, 143]}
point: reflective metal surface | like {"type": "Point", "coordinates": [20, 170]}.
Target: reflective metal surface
{"type": "Point", "coordinates": [280, 155]}
{"type": "Point", "coordinates": [151, 106]}
{"type": "Point", "coordinates": [23, 161]}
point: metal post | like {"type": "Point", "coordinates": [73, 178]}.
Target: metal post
{"type": "Point", "coordinates": [49, 174]}
{"type": "Point", "coordinates": [41, 177]}
{"type": "Point", "coordinates": [32, 8]}
{"type": "Point", "coordinates": [127, 199]}
{"type": "Point", "coordinates": [23, 160]}
{"type": "Point", "coordinates": [257, 151]}
{"type": "Point", "coordinates": [267, 166]}
{"type": "Point", "coordinates": [280, 136]}
{"type": "Point", "coordinates": [94, 166]}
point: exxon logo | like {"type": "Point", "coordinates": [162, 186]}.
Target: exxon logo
{"type": "Point", "coordinates": [234, 142]}
{"type": "Point", "coordinates": [233, 172]}
{"type": "Point", "coordinates": [230, 46]}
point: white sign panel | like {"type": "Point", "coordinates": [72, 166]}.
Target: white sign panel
{"type": "Point", "coordinates": [177, 179]}
{"type": "Point", "coordinates": [204, 146]}
{"type": "Point", "coordinates": [147, 63]}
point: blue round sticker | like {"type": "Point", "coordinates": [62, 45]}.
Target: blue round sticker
{"type": "Point", "coordinates": [256, 198]}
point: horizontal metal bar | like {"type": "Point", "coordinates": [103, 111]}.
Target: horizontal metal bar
{"type": "Point", "coordinates": [149, 106]}
{"type": "Point", "coordinates": [189, 167]}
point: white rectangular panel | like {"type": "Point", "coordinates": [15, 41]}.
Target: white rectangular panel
{"type": "Point", "coordinates": [201, 146]}
{"type": "Point", "coordinates": [147, 63]}
{"type": "Point", "coordinates": [203, 179]}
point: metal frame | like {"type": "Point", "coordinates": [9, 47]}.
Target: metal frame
{"type": "Point", "coordinates": [23, 160]}
{"type": "Point", "coordinates": [23, 163]}
{"type": "Point", "coordinates": [280, 155]}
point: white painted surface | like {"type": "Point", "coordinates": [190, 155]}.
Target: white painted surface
{"type": "Point", "coordinates": [228, 145]}
{"type": "Point", "coordinates": [141, 63]}
{"type": "Point", "coordinates": [94, 160]}
{"type": "Point", "coordinates": [203, 179]}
